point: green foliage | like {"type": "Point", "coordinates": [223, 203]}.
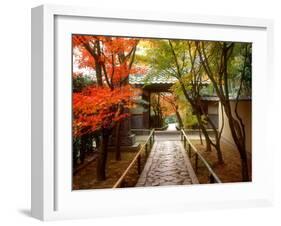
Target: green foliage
{"type": "Point", "coordinates": [79, 82]}
{"type": "Point", "coordinates": [174, 58]}
{"type": "Point", "coordinates": [170, 119]}
{"type": "Point", "coordinates": [239, 64]}
{"type": "Point", "coordinates": [185, 109]}
{"type": "Point", "coordinates": [161, 59]}
{"type": "Point", "coordinates": [208, 90]}
{"type": "Point", "coordinates": [189, 120]}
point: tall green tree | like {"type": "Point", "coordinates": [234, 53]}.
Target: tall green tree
{"type": "Point", "coordinates": [179, 59]}
{"type": "Point", "coordinates": [226, 63]}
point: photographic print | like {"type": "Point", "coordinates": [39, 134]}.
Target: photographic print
{"type": "Point", "coordinates": [160, 112]}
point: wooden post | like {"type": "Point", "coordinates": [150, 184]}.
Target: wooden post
{"type": "Point", "coordinates": [184, 142]}
{"type": "Point", "coordinates": [189, 151]}
{"type": "Point", "coordinates": [211, 179]}
{"type": "Point", "coordinates": [139, 164]}
{"type": "Point", "coordinates": [181, 135]}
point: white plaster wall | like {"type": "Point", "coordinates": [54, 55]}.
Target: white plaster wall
{"type": "Point", "coordinates": [245, 112]}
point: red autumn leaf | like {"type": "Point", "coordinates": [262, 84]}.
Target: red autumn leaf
{"type": "Point", "coordinates": [111, 58]}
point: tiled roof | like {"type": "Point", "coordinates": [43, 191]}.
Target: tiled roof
{"type": "Point", "coordinates": [207, 94]}
{"type": "Point", "coordinates": [140, 79]}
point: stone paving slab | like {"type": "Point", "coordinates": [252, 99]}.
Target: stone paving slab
{"type": "Point", "coordinates": [167, 164]}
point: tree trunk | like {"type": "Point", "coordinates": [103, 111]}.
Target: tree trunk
{"type": "Point", "coordinates": [198, 116]}
{"type": "Point", "coordinates": [118, 135]}
{"type": "Point", "coordinates": [117, 141]}
{"type": "Point", "coordinates": [244, 167]}
{"type": "Point", "coordinates": [219, 153]}
{"type": "Point", "coordinates": [218, 150]}
{"type": "Point", "coordinates": [217, 145]}
{"type": "Point", "coordinates": [200, 135]}
{"type": "Point", "coordinates": [179, 119]}
{"type": "Point", "coordinates": [102, 156]}
{"type": "Point", "coordinates": [207, 140]}
{"type": "Point", "coordinates": [97, 63]}
{"type": "Point", "coordinates": [240, 144]}
{"type": "Point", "coordinates": [83, 148]}
{"type": "Point", "coordinates": [204, 131]}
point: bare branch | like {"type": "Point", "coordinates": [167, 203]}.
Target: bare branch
{"type": "Point", "coordinates": [175, 58]}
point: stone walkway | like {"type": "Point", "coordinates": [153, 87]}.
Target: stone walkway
{"type": "Point", "coordinates": [172, 127]}
{"type": "Point", "coordinates": [167, 164]}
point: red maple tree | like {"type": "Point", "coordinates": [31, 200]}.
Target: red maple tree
{"type": "Point", "coordinates": [100, 107]}
{"type": "Point", "coordinates": [97, 107]}
{"type": "Point", "coordinates": [172, 101]}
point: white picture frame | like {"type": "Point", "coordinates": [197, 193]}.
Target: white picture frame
{"type": "Point", "coordinates": [53, 199]}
